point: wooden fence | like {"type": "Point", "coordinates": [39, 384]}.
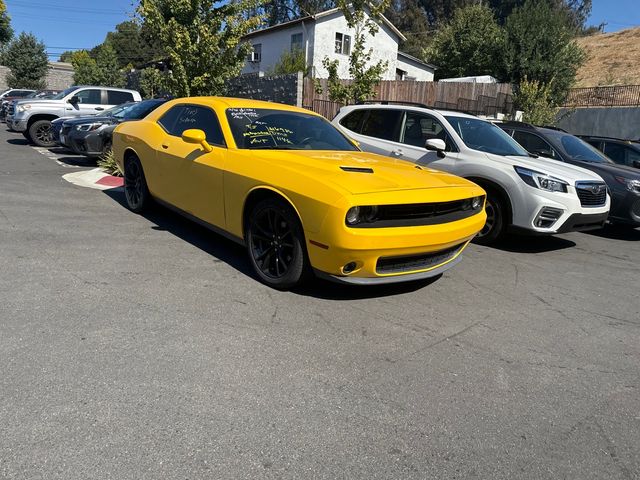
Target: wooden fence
{"type": "Point", "coordinates": [478, 98]}
{"type": "Point", "coordinates": [614, 96]}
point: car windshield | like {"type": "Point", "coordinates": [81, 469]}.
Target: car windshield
{"type": "Point", "coordinates": [117, 111]}
{"type": "Point", "coordinates": [575, 148]}
{"type": "Point", "coordinates": [485, 136]}
{"type": "Point", "coordinates": [273, 129]}
{"type": "Point", "coordinates": [64, 93]}
{"type": "Point", "coordinates": [136, 111]}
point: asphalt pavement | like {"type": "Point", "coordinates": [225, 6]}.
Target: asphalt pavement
{"type": "Point", "coordinates": [142, 347]}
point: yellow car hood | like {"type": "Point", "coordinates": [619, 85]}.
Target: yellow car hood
{"type": "Point", "coordinates": [360, 172]}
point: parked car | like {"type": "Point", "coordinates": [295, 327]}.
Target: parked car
{"type": "Point", "coordinates": [623, 182]}
{"type": "Point", "coordinates": [33, 117]}
{"type": "Point", "coordinates": [523, 193]}
{"type": "Point", "coordinates": [15, 93]}
{"type": "Point", "coordinates": [7, 102]}
{"type": "Point", "coordinates": [56, 125]}
{"type": "Point", "coordinates": [622, 152]}
{"type": "Point", "coordinates": [10, 96]}
{"type": "Point", "coordinates": [92, 136]}
{"type": "Point", "coordinates": [297, 192]}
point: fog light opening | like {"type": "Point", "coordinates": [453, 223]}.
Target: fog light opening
{"type": "Point", "coordinates": [547, 217]}
{"type": "Point", "coordinates": [349, 267]}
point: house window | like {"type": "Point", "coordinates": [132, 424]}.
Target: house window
{"type": "Point", "coordinates": [343, 43]}
{"type": "Point", "coordinates": [256, 55]}
{"type": "Point", "coordinates": [400, 74]}
{"type": "Point", "coordinates": [296, 42]}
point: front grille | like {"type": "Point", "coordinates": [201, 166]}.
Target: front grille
{"type": "Point", "coordinates": [409, 263]}
{"type": "Point", "coordinates": [416, 214]}
{"type": "Point", "coordinates": [592, 194]}
{"type": "Point", "coordinates": [11, 110]}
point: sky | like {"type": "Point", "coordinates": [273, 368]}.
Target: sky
{"type": "Point", "coordinates": [77, 24]}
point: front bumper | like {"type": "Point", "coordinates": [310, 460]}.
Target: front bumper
{"type": "Point", "coordinates": [625, 207]}
{"type": "Point", "coordinates": [572, 216]}
{"type": "Point", "coordinates": [18, 124]}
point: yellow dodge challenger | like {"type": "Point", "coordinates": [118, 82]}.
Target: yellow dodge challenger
{"type": "Point", "coordinates": [296, 192]}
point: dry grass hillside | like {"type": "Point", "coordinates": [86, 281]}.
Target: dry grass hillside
{"type": "Point", "coordinates": [612, 59]}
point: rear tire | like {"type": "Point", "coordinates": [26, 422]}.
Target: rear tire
{"type": "Point", "coordinates": [40, 133]}
{"type": "Point", "coordinates": [276, 245]}
{"type": "Point", "coordinates": [495, 226]}
{"type": "Point", "coordinates": [136, 190]}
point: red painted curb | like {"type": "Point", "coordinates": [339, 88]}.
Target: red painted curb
{"type": "Point", "coordinates": [111, 181]}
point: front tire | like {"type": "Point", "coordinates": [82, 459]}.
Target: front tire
{"type": "Point", "coordinates": [40, 133]}
{"type": "Point", "coordinates": [276, 245]}
{"type": "Point", "coordinates": [136, 190]}
{"type": "Point", "coordinates": [495, 225]}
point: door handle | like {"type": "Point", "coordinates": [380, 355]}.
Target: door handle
{"type": "Point", "coordinates": [99, 109]}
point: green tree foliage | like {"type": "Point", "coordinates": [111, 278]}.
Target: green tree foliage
{"type": "Point", "coordinates": [151, 81]}
{"type": "Point", "coordinates": [361, 16]}
{"type": "Point", "coordinates": [280, 11]}
{"type": "Point", "coordinates": [109, 73]}
{"type": "Point", "coordinates": [133, 46]}
{"type": "Point", "coordinates": [85, 69]}
{"type": "Point", "coordinates": [66, 56]}
{"type": "Point", "coordinates": [576, 10]}
{"type": "Point", "coordinates": [27, 59]}
{"type": "Point", "coordinates": [6, 32]}
{"type": "Point", "coordinates": [410, 18]}
{"type": "Point", "coordinates": [535, 100]}
{"type": "Point", "coordinates": [202, 40]}
{"type": "Point", "coordinates": [540, 46]}
{"type": "Point", "coordinates": [471, 44]}
{"type": "Point", "coordinates": [290, 62]}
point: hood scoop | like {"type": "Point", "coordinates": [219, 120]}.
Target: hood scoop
{"type": "Point", "coordinates": [357, 169]}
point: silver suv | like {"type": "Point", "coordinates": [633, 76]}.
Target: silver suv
{"type": "Point", "coordinates": [33, 117]}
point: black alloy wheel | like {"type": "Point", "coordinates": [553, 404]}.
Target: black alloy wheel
{"type": "Point", "coordinates": [135, 186]}
{"type": "Point", "coordinates": [494, 226]}
{"type": "Point", "coordinates": [40, 133]}
{"type": "Point", "coordinates": [275, 243]}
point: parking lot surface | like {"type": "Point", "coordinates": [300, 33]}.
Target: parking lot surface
{"type": "Point", "coordinates": [141, 347]}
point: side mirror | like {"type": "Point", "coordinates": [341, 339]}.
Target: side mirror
{"type": "Point", "coordinates": [74, 100]}
{"type": "Point", "coordinates": [197, 137]}
{"type": "Point", "coordinates": [436, 145]}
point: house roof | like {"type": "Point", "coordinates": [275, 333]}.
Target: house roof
{"type": "Point", "coordinates": [417, 60]}
{"type": "Point", "coordinates": [315, 17]}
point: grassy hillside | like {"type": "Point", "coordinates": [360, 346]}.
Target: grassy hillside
{"type": "Point", "coordinates": [613, 59]}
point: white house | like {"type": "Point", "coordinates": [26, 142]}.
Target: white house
{"type": "Point", "coordinates": [326, 34]}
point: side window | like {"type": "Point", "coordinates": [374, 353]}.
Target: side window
{"type": "Point", "coordinates": [192, 116]}
{"type": "Point", "coordinates": [534, 144]}
{"type": "Point", "coordinates": [115, 97]}
{"type": "Point", "coordinates": [615, 152]}
{"type": "Point", "coordinates": [382, 123]}
{"type": "Point", "coordinates": [168, 120]}
{"type": "Point", "coordinates": [633, 158]}
{"type": "Point", "coordinates": [92, 96]}
{"type": "Point", "coordinates": [296, 42]}
{"type": "Point", "coordinates": [418, 128]}
{"type": "Point", "coordinates": [353, 120]}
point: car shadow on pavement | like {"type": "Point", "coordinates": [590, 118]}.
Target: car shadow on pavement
{"type": "Point", "coordinates": [78, 161]}
{"type": "Point", "coordinates": [18, 141]}
{"type": "Point", "coordinates": [235, 256]}
{"type": "Point", "coordinates": [532, 244]}
{"type": "Point", "coordinates": [617, 232]}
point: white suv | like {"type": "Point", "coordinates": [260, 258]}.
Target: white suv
{"type": "Point", "coordinates": [523, 193]}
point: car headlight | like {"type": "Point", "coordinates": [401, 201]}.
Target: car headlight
{"type": "Point", "coordinates": [89, 127]}
{"type": "Point", "coordinates": [541, 180]}
{"type": "Point", "coordinates": [630, 184]}
{"type": "Point", "coordinates": [356, 215]}
{"type": "Point", "coordinates": [22, 108]}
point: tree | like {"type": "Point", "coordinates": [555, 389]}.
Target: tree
{"type": "Point", "coordinates": [66, 56]}
{"type": "Point", "coordinates": [85, 69]}
{"type": "Point", "coordinates": [109, 75]}
{"type": "Point", "coordinates": [202, 40]}
{"type": "Point", "coordinates": [150, 83]}
{"type": "Point", "coordinates": [577, 10]}
{"type": "Point", "coordinates": [27, 58]}
{"type": "Point", "coordinates": [361, 16]}
{"type": "Point", "coordinates": [471, 44]}
{"type": "Point", "coordinates": [6, 32]}
{"type": "Point", "coordinates": [132, 45]}
{"type": "Point", "coordinates": [290, 62]}
{"type": "Point", "coordinates": [534, 99]}
{"type": "Point", "coordinates": [540, 46]}
{"type": "Point", "coordinates": [410, 18]}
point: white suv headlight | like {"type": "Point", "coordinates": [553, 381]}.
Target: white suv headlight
{"type": "Point", "coordinates": [541, 180]}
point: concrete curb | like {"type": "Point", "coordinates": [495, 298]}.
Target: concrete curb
{"type": "Point", "coordinates": [95, 178]}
